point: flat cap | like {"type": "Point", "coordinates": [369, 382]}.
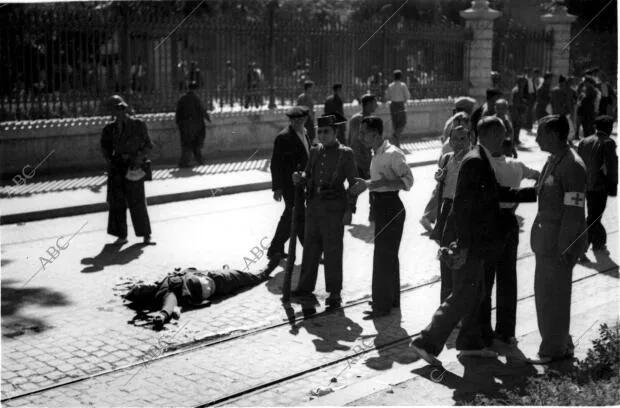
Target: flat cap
{"type": "Point", "coordinates": [297, 112]}
{"type": "Point", "coordinates": [465, 103]}
{"type": "Point", "coordinates": [333, 119]}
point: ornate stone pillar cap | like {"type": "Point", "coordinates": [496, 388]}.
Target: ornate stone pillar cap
{"type": "Point", "coordinates": [559, 15]}
{"type": "Point", "coordinates": [480, 10]}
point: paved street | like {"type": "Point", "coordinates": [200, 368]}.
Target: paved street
{"type": "Point", "coordinates": [62, 318]}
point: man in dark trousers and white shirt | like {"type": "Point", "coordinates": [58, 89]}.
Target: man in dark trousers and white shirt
{"type": "Point", "coordinates": [398, 95]}
{"type": "Point", "coordinates": [291, 150]}
{"type": "Point", "coordinates": [472, 227]}
{"type": "Point", "coordinates": [598, 152]}
{"type": "Point", "coordinates": [389, 173]}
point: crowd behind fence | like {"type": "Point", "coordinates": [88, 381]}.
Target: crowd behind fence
{"type": "Point", "coordinates": [67, 65]}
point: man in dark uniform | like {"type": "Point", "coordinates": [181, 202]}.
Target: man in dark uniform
{"type": "Point", "coordinates": [125, 144]}
{"type": "Point", "coordinates": [558, 237]}
{"type": "Point", "coordinates": [330, 208]}
{"type": "Point", "coordinates": [190, 116]}
{"type": "Point", "coordinates": [191, 287]}
{"type": "Point", "coordinates": [598, 152]}
{"type": "Point", "coordinates": [334, 104]}
{"type": "Point", "coordinates": [290, 154]}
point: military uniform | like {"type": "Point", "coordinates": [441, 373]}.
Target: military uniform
{"type": "Point", "coordinates": [557, 240]}
{"type": "Point", "coordinates": [327, 169]}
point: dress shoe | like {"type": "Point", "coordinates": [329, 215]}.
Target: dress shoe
{"type": "Point", "coordinates": [426, 356]}
{"type": "Point", "coordinates": [148, 241]}
{"type": "Point", "coordinates": [120, 241]}
{"type": "Point", "coordinates": [375, 314]}
{"type": "Point", "coordinates": [547, 360]}
{"type": "Point", "coordinates": [483, 353]}
{"type": "Point", "coordinates": [396, 304]}
{"type": "Point", "coordinates": [584, 259]}
{"type": "Point", "coordinates": [601, 250]}
{"type": "Point", "coordinates": [509, 340]}
{"type": "Point", "coordinates": [333, 301]}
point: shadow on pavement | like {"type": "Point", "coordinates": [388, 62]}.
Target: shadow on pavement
{"type": "Point", "coordinates": [364, 232]}
{"type": "Point", "coordinates": [332, 329]}
{"type": "Point", "coordinates": [603, 264]}
{"type": "Point", "coordinates": [388, 330]}
{"type": "Point", "coordinates": [112, 255]}
{"type": "Point", "coordinates": [14, 298]}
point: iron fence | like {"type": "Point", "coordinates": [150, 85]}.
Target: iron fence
{"type": "Point", "coordinates": [516, 50]}
{"type": "Point", "coordinates": [65, 64]}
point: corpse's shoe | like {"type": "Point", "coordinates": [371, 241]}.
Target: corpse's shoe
{"type": "Point", "coordinates": [160, 319]}
{"type": "Point", "coordinates": [427, 224]}
{"type": "Point", "coordinates": [426, 356]}
{"type": "Point", "coordinates": [120, 241]}
{"type": "Point", "coordinates": [482, 353]}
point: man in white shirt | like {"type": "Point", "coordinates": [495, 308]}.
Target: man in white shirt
{"type": "Point", "coordinates": [389, 173]}
{"type": "Point", "coordinates": [398, 94]}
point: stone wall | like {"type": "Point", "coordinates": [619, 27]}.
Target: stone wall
{"type": "Point", "coordinates": [72, 145]}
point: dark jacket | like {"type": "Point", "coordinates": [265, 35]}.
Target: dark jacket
{"type": "Point", "coordinates": [473, 222]}
{"type": "Point", "coordinates": [333, 104]}
{"type": "Point", "coordinates": [599, 155]}
{"type": "Point", "coordinates": [134, 142]}
{"type": "Point", "coordinates": [561, 103]}
{"type": "Point", "coordinates": [289, 156]}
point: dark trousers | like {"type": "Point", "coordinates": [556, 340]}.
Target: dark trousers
{"type": "Point", "coordinates": [283, 230]}
{"type": "Point", "coordinates": [389, 219]}
{"type": "Point", "coordinates": [188, 151]}
{"type": "Point", "coordinates": [437, 234]}
{"type": "Point", "coordinates": [462, 304]}
{"type": "Point", "coordinates": [529, 117]}
{"type": "Point", "coordinates": [254, 97]}
{"type": "Point", "coordinates": [596, 202]}
{"type": "Point", "coordinates": [587, 118]}
{"type": "Point", "coordinates": [123, 193]}
{"type": "Point", "coordinates": [309, 125]}
{"type": "Point", "coordinates": [504, 270]}
{"type": "Point", "coordinates": [365, 174]}
{"type": "Point", "coordinates": [399, 120]}
{"type": "Point", "coordinates": [324, 235]}
{"type": "Point", "coordinates": [431, 210]}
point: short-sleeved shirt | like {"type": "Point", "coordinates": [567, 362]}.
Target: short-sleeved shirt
{"type": "Point", "coordinates": [390, 163]}
{"type": "Point", "coordinates": [397, 92]}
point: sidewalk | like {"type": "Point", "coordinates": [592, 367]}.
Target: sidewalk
{"type": "Point", "coordinates": [63, 196]}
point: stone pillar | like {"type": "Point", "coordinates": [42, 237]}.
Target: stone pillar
{"type": "Point", "coordinates": [480, 19]}
{"type": "Point", "coordinates": [559, 22]}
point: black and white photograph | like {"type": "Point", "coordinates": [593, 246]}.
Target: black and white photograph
{"type": "Point", "coordinates": [276, 203]}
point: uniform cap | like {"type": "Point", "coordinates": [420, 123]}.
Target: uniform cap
{"type": "Point", "coordinates": [333, 119]}
{"type": "Point", "coordinates": [465, 103]}
{"type": "Point", "coordinates": [297, 112]}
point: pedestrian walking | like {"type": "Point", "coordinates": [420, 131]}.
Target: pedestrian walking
{"type": "Point", "coordinates": [558, 237]}
{"type": "Point", "coordinates": [586, 107]}
{"type": "Point", "coordinates": [446, 176]}
{"type": "Point", "coordinates": [334, 104]}
{"type": "Point", "coordinates": [291, 150]}
{"type": "Point", "coordinates": [509, 172]}
{"type": "Point", "coordinates": [501, 111]}
{"type": "Point", "coordinates": [190, 116]}
{"type": "Point", "coordinates": [125, 144]}
{"type": "Point", "coordinates": [519, 107]}
{"type": "Point", "coordinates": [531, 92]}
{"type": "Point", "coordinates": [307, 99]}
{"type": "Point", "coordinates": [471, 228]}
{"type": "Point", "coordinates": [562, 101]}
{"type": "Point", "coordinates": [486, 109]}
{"type": "Point", "coordinates": [363, 153]}
{"type": "Point", "coordinates": [253, 80]}
{"type": "Point", "coordinates": [389, 173]}
{"type": "Point", "coordinates": [398, 95]}
{"type": "Point", "coordinates": [598, 153]}
{"type": "Point", "coordinates": [461, 115]}
{"type": "Point", "coordinates": [230, 85]}
{"type": "Point", "coordinates": [543, 96]}
{"type": "Point", "coordinates": [330, 208]}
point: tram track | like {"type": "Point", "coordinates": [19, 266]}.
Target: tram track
{"type": "Point", "coordinates": [200, 344]}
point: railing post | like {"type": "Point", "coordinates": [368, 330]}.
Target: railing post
{"type": "Point", "coordinates": [125, 67]}
{"type": "Point", "coordinates": [273, 5]}
{"type": "Point", "coordinates": [480, 19]}
{"type": "Point", "coordinates": [559, 23]}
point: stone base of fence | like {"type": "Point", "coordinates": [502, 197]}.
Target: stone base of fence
{"type": "Point", "coordinates": [72, 145]}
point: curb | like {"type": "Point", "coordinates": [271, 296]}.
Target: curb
{"type": "Point", "coordinates": [154, 200]}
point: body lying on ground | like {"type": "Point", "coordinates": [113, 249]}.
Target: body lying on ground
{"type": "Point", "coordinates": [190, 287]}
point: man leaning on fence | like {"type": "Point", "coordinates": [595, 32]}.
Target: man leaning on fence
{"type": "Point", "coordinates": [190, 116]}
{"type": "Point", "coordinates": [125, 144]}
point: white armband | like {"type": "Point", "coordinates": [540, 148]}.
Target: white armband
{"type": "Point", "coordinates": [575, 199]}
